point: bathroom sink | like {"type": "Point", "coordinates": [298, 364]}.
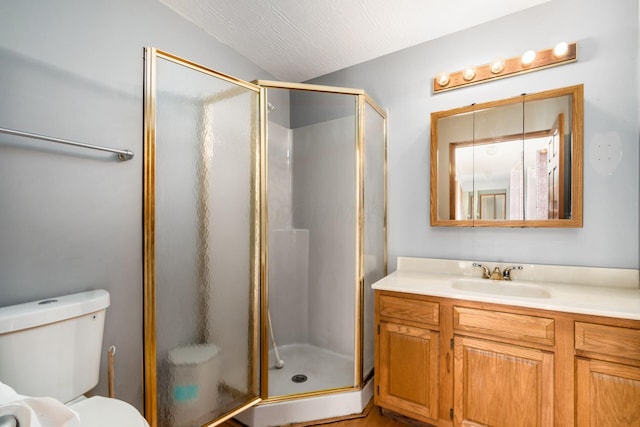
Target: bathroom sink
{"type": "Point", "coordinates": [498, 287]}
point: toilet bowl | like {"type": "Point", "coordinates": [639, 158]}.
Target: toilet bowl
{"type": "Point", "coordinates": [52, 348]}
{"type": "Point", "coordinates": [18, 410]}
{"type": "Point", "coordinates": [98, 411]}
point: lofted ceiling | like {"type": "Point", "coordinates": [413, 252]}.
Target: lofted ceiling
{"type": "Point", "coordinates": [297, 40]}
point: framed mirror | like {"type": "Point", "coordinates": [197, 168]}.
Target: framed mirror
{"type": "Point", "coordinates": [514, 162]}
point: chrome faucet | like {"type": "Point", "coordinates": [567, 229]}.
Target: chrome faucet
{"type": "Point", "coordinates": [496, 274]}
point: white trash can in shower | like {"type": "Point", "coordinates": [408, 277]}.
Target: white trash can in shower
{"type": "Point", "coordinates": [195, 371]}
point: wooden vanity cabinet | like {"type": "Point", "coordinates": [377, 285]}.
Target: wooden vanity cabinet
{"type": "Point", "coordinates": [407, 356]}
{"type": "Point", "coordinates": [607, 375]}
{"type": "Point", "coordinates": [450, 362]}
{"type": "Point", "coordinates": [499, 384]}
{"type": "Point", "coordinates": [502, 384]}
{"type": "Point", "coordinates": [408, 370]}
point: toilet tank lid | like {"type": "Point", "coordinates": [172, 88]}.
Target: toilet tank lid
{"type": "Point", "coordinates": [37, 313]}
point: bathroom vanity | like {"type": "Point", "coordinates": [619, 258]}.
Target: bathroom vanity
{"type": "Point", "coordinates": [557, 346]}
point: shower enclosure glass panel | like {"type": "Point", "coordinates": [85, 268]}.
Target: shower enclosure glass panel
{"type": "Point", "coordinates": [375, 254]}
{"type": "Point", "coordinates": [206, 244]}
{"type": "Point", "coordinates": [264, 228]}
{"type": "Point", "coordinates": [312, 231]}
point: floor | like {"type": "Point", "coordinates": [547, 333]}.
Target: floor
{"type": "Point", "coordinates": [371, 417]}
{"type": "Point", "coordinates": [323, 370]}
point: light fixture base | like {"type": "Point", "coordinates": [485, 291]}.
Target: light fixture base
{"type": "Point", "coordinates": [513, 66]}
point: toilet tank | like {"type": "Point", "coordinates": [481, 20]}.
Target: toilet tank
{"type": "Point", "coordinates": [52, 347]}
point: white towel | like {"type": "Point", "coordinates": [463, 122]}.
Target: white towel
{"type": "Point", "coordinates": [36, 411]}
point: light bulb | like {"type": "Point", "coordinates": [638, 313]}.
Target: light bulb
{"type": "Point", "coordinates": [442, 78]}
{"type": "Point", "coordinates": [497, 66]}
{"type": "Point", "coordinates": [528, 57]}
{"type": "Point", "coordinates": [469, 73]}
{"type": "Point", "coordinates": [561, 50]}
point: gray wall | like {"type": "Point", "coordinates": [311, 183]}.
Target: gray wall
{"type": "Point", "coordinates": [608, 67]}
{"type": "Point", "coordinates": [70, 219]}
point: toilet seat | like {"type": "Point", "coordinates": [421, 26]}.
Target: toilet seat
{"type": "Point", "coordinates": [101, 411]}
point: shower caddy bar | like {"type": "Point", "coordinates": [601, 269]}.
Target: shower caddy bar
{"type": "Point", "coordinates": [122, 154]}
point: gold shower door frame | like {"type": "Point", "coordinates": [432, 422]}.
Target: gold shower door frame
{"type": "Point", "coordinates": [362, 99]}
{"type": "Point", "coordinates": [149, 190]}
{"type": "Point", "coordinates": [258, 333]}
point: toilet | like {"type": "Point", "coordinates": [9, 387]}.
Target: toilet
{"type": "Point", "coordinates": [52, 348]}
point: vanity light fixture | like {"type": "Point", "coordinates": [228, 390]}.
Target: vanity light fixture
{"type": "Point", "coordinates": [562, 53]}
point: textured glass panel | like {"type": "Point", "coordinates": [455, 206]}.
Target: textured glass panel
{"type": "Point", "coordinates": [374, 233]}
{"type": "Point", "coordinates": [206, 131]}
{"type": "Point", "coordinates": [312, 241]}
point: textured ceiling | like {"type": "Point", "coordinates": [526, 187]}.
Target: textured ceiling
{"type": "Point", "coordinates": [296, 40]}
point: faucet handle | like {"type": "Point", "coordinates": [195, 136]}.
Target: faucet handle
{"type": "Point", "coordinates": [507, 271]}
{"type": "Point", "coordinates": [485, 270]}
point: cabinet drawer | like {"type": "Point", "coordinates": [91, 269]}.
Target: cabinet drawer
{"type": "Point", "coordinates": [539, 330]}
{"type": "Point", "coordinates": [611, 340]}
{"type": "Point", "coordinates": [409, 309]}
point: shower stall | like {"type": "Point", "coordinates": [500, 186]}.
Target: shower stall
{"type": "Point", "coordinates": [265, 226]}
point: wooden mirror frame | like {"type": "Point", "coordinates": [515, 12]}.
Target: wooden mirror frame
{"type": "Point", "coordinates": [577, 150]}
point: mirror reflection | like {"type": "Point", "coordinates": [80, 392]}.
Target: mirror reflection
{"type": "Point", "coordinates": [515, 162]}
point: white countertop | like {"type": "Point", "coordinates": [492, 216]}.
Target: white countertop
{"type": "Point", "coordinates": [584, 290]}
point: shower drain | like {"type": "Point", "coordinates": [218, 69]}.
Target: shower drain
{"type": "Point", "coordinates": [299, 378]}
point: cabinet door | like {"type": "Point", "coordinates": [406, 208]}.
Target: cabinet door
{"type": "Point", "coordinates": [501, 385]}
{"type": "Point", "coordinates": [608, 394]}
{"type": "Point", "coordinates": [408, 370]}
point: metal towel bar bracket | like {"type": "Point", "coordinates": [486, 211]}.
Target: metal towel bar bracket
{"type": "Point", "coordinates": [122, 154]}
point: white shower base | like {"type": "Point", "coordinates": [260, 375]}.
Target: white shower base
{"type": "Point", "coordinates": [324, 370]}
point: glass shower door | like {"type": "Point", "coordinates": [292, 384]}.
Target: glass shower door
{"type": "Point", "coordinates": [201, 243]}
{"type": "Point", "coordinates": [312, 239]}
{"type": "Point", "coordinates": [375, 223]}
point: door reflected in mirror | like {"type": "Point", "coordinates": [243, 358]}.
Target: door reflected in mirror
{"type": "Point", "coordinates": [515, 162]}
